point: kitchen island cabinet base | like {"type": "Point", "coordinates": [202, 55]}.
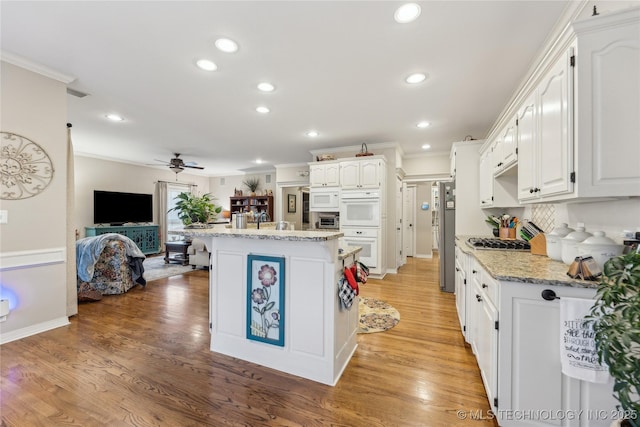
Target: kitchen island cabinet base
{"type": "Point", "coordinates": [319, 333]}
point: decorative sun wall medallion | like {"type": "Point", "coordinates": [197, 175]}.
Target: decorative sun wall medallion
{"type": "Point", "coordinates": [25, 168]}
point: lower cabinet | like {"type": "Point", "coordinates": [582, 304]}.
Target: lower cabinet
{"type": "Point", "coordinates": [515, 335]}
{"type": "Point", "coordinates": [461, 289]}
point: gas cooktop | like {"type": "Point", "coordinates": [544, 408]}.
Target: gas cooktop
{"type": "Point", "coordinates": [498, 244]}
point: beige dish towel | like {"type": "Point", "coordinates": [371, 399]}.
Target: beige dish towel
{"type": "Point", "coordinates": [577, 343]}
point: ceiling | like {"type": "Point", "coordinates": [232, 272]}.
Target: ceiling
{"type": "Point", "coordinates": [338, 68]}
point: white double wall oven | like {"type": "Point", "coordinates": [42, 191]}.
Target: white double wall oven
{"type": "Point", "coordinates": [360, 221]}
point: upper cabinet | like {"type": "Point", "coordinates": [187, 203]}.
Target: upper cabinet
{"type": "Point", "coordinates": [358, 174]}
{"type": "Point", "coordinates": [607, 120]}
{"type": "Point", "coordinates": [505, 149]}
{"type": "Point", "coordinates": [544, 135]}
{"type": "Point", "coordinates": [324, 174]}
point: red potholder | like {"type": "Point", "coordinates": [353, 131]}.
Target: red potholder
{"type": "Point", "coordinates": [351, 279]}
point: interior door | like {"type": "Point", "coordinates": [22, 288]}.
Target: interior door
{"type": "Point", "coordinates": [409, 220]}
{"type": "Point", "coordinates": [400, 260]}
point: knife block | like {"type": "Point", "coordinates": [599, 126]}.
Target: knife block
{"type": "Point", "coordinates": [538, 244]}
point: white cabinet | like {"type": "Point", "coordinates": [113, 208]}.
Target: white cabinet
{"type": "Point", "coordinates": [361, 174]}
{"type": "Point", "coordinates": [324, 174]}
{"type": "Point", "coordinates": [530, 371]}
{"type": "Point", "coordinates": [486, 179]}
{"type": "Point", "coordinates": [608, 105]}
{"type": "Point", "coordinates": [505, 151]}
{"type": "Point", "coordinates": [587, 148]}
{"type": "Point", "coordinates": [461, 289]}
{"type": "Point", "coordinates": [484, 340]}
{"type": "Point", "coordinates": [496, 191]}
{"type": "Point", "coordinates": [545, 135]}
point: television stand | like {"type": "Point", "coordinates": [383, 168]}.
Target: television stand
{"type": "Point", "coordinates": [145, 236]}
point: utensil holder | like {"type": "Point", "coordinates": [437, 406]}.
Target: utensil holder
{"type": "Point", "coordinates": [507, 233]}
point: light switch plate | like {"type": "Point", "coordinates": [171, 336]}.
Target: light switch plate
{"type": "Point", "coordinates": [4, 216]}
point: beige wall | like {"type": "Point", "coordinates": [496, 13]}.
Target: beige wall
{"type": "Point", "coordinates": [222, 187]}
{"type": "Point", "coordinates": [426, 166]}
{"type": "Point", "coordinates": [296, 217]}
{"type": "Point", "coordinates": [424, 230]}
{"type": "Point", "coordinates": [35, 107]}
{"type": "Point", "coordinates": [97, 174]}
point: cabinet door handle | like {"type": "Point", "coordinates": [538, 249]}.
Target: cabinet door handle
{"type": "Point", "coordinates": [457, 269]}
{"type": "Point", "coordinates": [484, 286]}
{"type": "Point", "coordinates": [479, 298]}
{"type": "Point", "coordinates": [474, 271]}
{"type": "Point", "coordinates": [531, 190]}
{"type": "Point", "coordinates": [549, 295]}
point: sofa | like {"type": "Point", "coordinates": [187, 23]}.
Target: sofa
{"type": "Point", "coordinates": [108, 264]}
{"type": "Point", "coordinates": [198, 254]}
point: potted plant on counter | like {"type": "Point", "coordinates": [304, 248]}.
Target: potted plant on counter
{"type": "Point", "coordinates": [616, 317]}
{"type": "Point", "coordinates": [195, 211]}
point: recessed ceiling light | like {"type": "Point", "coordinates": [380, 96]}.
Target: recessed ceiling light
{"type": "Point", "coordinates": [266, 87]}
{"type": "Point", "coordinates": [259, 161]}
{"type": "Point", "coordinates": [406, 13]}
{"type": "Point", "coordinates": [426, 146]}
{"type": "Point", "coordinates": [262, 109]}
{"type": "Point", "coordinates": [423, 125]}
{"type": "Point", "coordinates": [205, 64]}
{"type": "Point", "coordinates": [114, 117]}
{"type": "Point", "coordinates": [312, 133]}
{"type": "Point", "coordinates": [226, 45]}
{"type": "Point", "coordinates": [415, 78]}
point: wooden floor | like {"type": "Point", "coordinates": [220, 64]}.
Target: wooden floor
{"type": "Point", "coordinates": [143, 359]}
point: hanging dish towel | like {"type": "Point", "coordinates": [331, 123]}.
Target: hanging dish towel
{"type": "Point", "coordinates": [577, 343]}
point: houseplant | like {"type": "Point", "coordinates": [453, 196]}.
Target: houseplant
{"type": "Point", "coordinates": [616, 323]}
{"type": "Point", "coordinates": [252, 184]}
{"type": "Point", "coordinates": [194, 210]}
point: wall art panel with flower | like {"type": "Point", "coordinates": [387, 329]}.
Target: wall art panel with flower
{"type": "Point", "coordinates": [265, 299]}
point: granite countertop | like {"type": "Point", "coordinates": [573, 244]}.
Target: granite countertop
{"type": "Point", "coordinates": [522, 266]}
{"type": "Point", "coordinates": [262, 234]}
{"type": "Point", "coordinates": [348, 251]}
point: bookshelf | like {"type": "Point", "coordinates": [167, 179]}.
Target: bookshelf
{"type": "Point", "coordinates": [251, 204]}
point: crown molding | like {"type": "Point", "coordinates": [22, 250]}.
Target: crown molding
{"type": "Point", "coordinates": [27, 64]}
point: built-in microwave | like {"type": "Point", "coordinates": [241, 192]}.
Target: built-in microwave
{"type": "Point", "coordinates": [324, 200]}
{"type": "Point", "coordinates": [329, 220]}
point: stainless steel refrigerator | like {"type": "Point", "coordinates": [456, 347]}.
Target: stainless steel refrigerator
{"type": "Point", "coordinates": [447, 229]}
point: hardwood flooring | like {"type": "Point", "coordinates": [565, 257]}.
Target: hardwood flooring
{"type": "Point", "coordinates": [143, 359]}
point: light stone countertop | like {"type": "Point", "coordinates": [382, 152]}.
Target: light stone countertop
{"type": "Point", "coordinates": [522, 266]}
{"type": "Point", "coordinates": [348, 251]}
{"type": "Point", "coordinates": [262, 234]}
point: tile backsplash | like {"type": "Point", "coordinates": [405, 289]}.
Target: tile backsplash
{"type": "Point", "coordinates": [544, 216]}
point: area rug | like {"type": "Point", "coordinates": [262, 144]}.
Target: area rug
{"type": "Point", "coordinates": [376, 316]}
{"type": "Point", "coordinates": [155, 268]}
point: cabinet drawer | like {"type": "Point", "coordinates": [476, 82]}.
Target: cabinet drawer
{"type": "Point", "coordinates": [489, 288]}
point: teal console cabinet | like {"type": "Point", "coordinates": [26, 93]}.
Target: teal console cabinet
{"type": "Point", "coordinates": [145, 236]}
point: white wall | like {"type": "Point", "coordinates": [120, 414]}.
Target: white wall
{"type": "Point", "coordinates": [98, 174]}
{"type": "Point", "coordinates": [609, 216]}
{"type": "Point", "coordinates": [35, 107]}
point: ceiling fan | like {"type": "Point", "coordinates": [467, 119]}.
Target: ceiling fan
{"type": "Point", "coordinates": [177, 165]}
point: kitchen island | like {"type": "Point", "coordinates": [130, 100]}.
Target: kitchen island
{"type": "Point", "coordinates": [274, 299]}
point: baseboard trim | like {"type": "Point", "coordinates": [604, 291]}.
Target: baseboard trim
{"type": "Point", "coordinates": [424, 255]}
{"type": "Point", "coordinates": [34, 258]}
{"type": "Point", "coordinates": [392, 271]}
{"type": "Point", "coordinates": [6, 337]}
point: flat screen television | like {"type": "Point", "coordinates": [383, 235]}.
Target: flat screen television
{"type": "Point", "coordinates": [116, 208]}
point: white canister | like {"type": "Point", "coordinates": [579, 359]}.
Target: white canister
{"type": "Point", "coordinates": [600, 247]}
{"type": "Point", "coordinates": [554, 241]}
{"type": "Point", "coordinates": [570, 244]}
